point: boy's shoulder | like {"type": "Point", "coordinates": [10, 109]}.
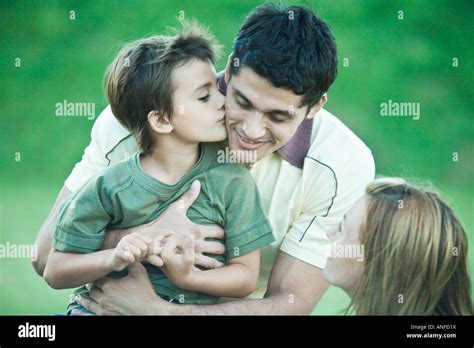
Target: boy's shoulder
{"type": "Point", "coordinates": [116, 176]}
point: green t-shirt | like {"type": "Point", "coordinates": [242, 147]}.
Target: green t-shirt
{"type": "Point", "coordinates": [125, 196]}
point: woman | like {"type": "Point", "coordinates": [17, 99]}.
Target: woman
{"type": "Point", "coordinates": [414, 252]}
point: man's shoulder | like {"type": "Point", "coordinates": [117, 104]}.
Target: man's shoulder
{"type": "Point", "coordinates": [333, 141]}
{"type": "Point", "coordinates": [108, 133]}
{"type": "Point", "coordinates": [336, 150]}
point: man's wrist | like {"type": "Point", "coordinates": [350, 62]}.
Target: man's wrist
{"type": "Point", "coordinates": [162, 307]}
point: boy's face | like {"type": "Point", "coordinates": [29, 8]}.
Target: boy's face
{"type": "Point", "coordinates": [261, 117]}
{"type": "Point", "coordinates": [198, 114]}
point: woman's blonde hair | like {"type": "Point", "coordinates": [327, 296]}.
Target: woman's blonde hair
{"type": "Point", "coordinates": [415, 260]}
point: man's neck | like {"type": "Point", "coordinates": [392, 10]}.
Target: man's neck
{"type": "Point", "coordinates": [170, 159]}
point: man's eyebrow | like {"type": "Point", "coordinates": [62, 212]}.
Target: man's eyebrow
{"type": "Point", "coordinates": [285, 113]}
{"type": "Point", "coordinates": [204, 85]}
{"type": "Point", "coordinates": [241, 95]}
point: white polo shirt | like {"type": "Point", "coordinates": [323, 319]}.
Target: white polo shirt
{"type": "Point", "coordinates": [306, 187]}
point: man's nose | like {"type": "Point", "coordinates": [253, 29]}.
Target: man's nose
{"type": "Point", "coordinates": [254, 126]}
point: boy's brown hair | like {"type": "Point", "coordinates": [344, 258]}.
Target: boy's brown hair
{"type": "Point", "coordinates": [139, 78]}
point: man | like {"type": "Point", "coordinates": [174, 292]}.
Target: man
{"type": "Point", "coordinates": [310, 170]}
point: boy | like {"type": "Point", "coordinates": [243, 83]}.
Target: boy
{"type": "Point", "coordinates": [163, 90]}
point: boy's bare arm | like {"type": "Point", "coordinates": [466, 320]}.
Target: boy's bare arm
{"type": "Point", "coordinates": [68, 270]}
{"type": "Point", "coordinates": [45, 234]}
{"type": "Point", "coordinates": [238, 279]}
{"type": "Point", "coordinates": [173, 219]}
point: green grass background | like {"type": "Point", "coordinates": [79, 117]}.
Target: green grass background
{"type": "Point", "coordinates": [407, 60]}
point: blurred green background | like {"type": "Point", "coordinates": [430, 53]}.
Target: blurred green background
{"type": "Point", "coordinates": [405, 60]}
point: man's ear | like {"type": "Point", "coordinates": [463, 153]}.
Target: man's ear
{"type": "Point", "coordinates": [315, 109]}
{"type": "Point", "coordinates": [159, 123]}
{"type": "Point", "coordinates": [227, 68]}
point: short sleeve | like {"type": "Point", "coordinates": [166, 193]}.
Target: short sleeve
{"type": "Point", "coordinates": [106, 134]}
{"type": "Point", "coordinates": [83, 218]}
{"type": "Point", "coordinates": [246, 225]}
{"type": "Point", "coordinates": [329, 191]}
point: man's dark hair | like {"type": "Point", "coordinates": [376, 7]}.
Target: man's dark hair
{"type": "Point", "coordinates": [290, 47]}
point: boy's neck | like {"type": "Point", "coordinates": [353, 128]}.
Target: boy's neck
{"type": "Point", "coordinates": [170, 159]}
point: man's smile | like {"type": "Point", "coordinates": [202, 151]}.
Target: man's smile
{"type": "Point", "coordinates": [248, 144]}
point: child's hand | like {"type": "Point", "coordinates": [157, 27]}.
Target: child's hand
{"type": "Point", "coordinates": [157, 245]}
{"type": "Point", "coordinates": [131, 248]}
{"type": "Point", "coordinates": [178, 258]}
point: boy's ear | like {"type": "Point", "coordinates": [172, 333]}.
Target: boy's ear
{"type": "Point", "coordinates": [315, 109]}
{"type": "Point", "coordinates": [159, 123]}
{"type": "Point", "coordinates": [227, 68]}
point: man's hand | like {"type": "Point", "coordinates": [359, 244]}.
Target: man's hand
{"type": "Point", "coordinates": [174, 220]}
{"type": "Point", "coordinates": [130, 295]}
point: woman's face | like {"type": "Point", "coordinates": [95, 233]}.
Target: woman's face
{"type": "Point", "coordinates": [345, 264]}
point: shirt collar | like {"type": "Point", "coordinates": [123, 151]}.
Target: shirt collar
{"type": "Point", "coordinates": [296, 149]}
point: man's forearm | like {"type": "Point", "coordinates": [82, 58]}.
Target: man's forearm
{"type": "Point", "coordinates": [273, 305]}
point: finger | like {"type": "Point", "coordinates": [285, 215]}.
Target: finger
{"type": "Point", "coordinates": [135, 251]}
{"type": "Point", "coordinates": [207, 262]}
{"type": "Point", "coordinates": [136, 270]}
{"type": "Point", "coordinates": [90, 304]}
{"type": "Point", "coordinates": [146, 239]}
{"type": "Point", "coordinates": [213, 231]}
{"type": "Point", "coordinates": [140, 245]}
{"type": "Point", "coordinates": [79, 312]}
{"type": "Point", "coordinates": [99, 283]}
{"type": "Point", "coordinates": [96, 293]}
{"type": "Point", "coordinates": [189, 250]}
{"type": "Point", "coordinates": [125, 255]}
{"type": "Point", "coordinates": [169, 250]}
{"type": "Point", "coordinates": [139, 242]}
{"type": "Point", "coordinates": [160, 241]}
{"type": "Point", "coordinates": [188, 198]}
{"type": "Point", "coordinates": [155, 260]}
{"type": "Point", "coordinates": [215, 248]}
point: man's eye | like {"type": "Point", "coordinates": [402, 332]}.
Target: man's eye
{"type": "Point", "coordinates": [276, 119]}
{"type": "Point", "coordinates": [205, 98]}
{"type": "Point", "coordinates": [243, 106]}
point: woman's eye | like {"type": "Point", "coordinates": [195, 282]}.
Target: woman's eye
{"type": "Point", "coordinates": [205, 98]}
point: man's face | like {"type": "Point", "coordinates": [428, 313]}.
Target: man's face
{"type": "Point", "coordinates": [259, 116]}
